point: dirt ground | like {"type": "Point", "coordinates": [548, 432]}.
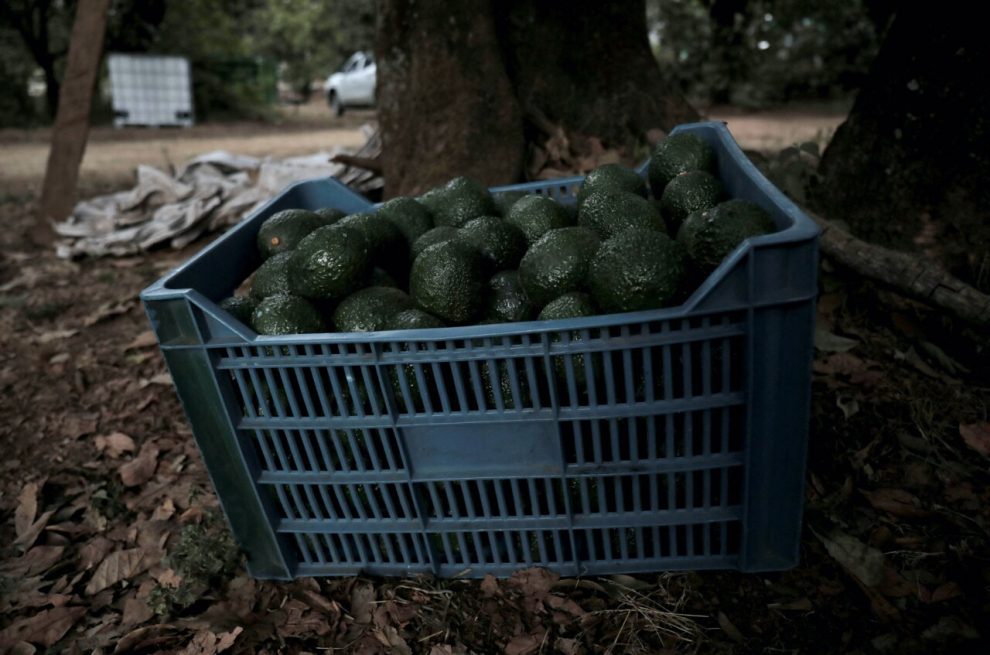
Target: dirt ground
{"type": "Point", "coordinates": [112, 155]}
{"type": "Point", "coordinates": [112, 542]}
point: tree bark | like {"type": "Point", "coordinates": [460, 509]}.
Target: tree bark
{"type": "Point", "coordinates": [916, 145]}
{"type": "Point", "coordinates": [445, 104]}
{"type": "Point", "coordinates": [71, 130]}
{"type": "Point", "coordinates": [587, 65]}
{"type": "Point", "coordinates": [456, 80]}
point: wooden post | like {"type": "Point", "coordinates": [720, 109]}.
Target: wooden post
{"type": "Point", "coordinates": [58, 195]}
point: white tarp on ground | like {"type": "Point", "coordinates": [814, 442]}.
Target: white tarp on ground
{"type": "Point", "coordinates": [207, 193]}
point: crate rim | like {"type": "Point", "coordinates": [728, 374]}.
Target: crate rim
{"type": "Point", "coordinates": [802, 228]}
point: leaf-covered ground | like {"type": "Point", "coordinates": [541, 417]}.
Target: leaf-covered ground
{"type": "Point", "coordinates": [112, 540]}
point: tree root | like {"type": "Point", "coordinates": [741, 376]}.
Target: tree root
{"type": "Point", "coordinates": [910, 275]}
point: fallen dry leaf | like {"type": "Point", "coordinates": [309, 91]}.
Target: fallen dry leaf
{"type": "Point", "coordinates": [203, 642]}
{"type": "Point", "coordinates": [319, 602]}
{"type": "Point", "coordinates": [564, 604]}
{"type": "Point", "coordinates": [78, 425]}
{"type": "Point", "coordinates": [121, 565]}
{"type": "Point", "coordinates": [140, 469]}
{"type": "Point", "coordinates": [390, 638]}
{"type": "Point", "coordinates": [163, 379]}
{"type": "Point", "coordinates": [169, 578]}
{"type": "Point", "coordinates": [945, 592]}
{"type": "Point", "coordinates": [93, 551]}
{"type": "Point", "coordinates": [144, 340]}
{"type": "Point", "coordinates": [300, 620]}
{"type": "Point", "coordinates": [36, 560]}
{"type": "Point", "coordinates": [568, 646]}
{"type": "Point", "coordinates": [896, 502]}
{"type": "Point", "coordinates": [136, 612]}
{"type": "Point", "coordinates": [489, 586]}
{"type": "Point", "coordinates": [977, 437]}
{"type": "Point", "coordinates": [362, 603]}
{"type": "Point", "coordinates": [115, 444]}
{"type": "Point", "coordinates": [44, 628]}
{"type": "Point", "coordinates": [525, 644]}
{"type": "Point", "coordinates": [165, 511]}
{"type": "Point", "coordinates": [896, 585]}
{"type": "Point", "coordinates": [30, 535]}
{"type": "Point", "coordinates": [535, 584]}
{"type": "Point", "coordinates": [226, 639]}
{"type": "Point", "coordinates": [730, 629]}
{"type": "Point", "coordinates": [108, 310]}
{"type": "Point", "coordinates": [141, 638]}
{"type": "Point", "coordinates": [27, 509]}
{"type": "Point", "coordinates": [22, 648]}
{"type": "Point", "coordinates": [54, 335]}
{"type": "Point", "coordinates": [863, 562]}
{"type": "Point", "coordinates": [829, 342]}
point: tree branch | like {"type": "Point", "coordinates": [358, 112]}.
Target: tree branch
{"type": "Point", "coordinates": [372, 164]}
{"type": "Point", "coordinates": [908, 274]}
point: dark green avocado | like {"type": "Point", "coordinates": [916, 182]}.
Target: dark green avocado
{"type": "Point", "coordinates": [557, 264]}
{"type": "Point", "coordinates": [689, 192]}
{"type": "Point", "coordinates": [329, 215]}
{"type": "Point", "coordinates": [635, 270]}
{"type": "Point", "coordinates": [537, 215]}
{"type": "Point", "coordinates": [286, 314]}
{"type": "Point", "coordinates": [709, 235]}
{"type": "Point", "coordinates": [283, 230]}
{"type": "Point", "coordinates": [611, 177]}
{"type": "Point", "coordinates": [501, 243]}
{"type": "Point", "coordinates": [240, 307]}
{"type": "Point", "coordinates": [411, 218]}
{"type": "Point", "coordinates": [505, 300]}
{"type": "Point", "coordinates": [370, 310]}
{"type": "Point", "coordinates": [386, 244]}
{"type": "Point", "coordinates": [272, 276]}
{"type": "Point", "coordinates": [447, 281]}
{"type": "Point", "coordinates": [678, 153]}
{"type": "Point", "coordinates": [505, 199]}
{"type": "Point", "coordinates": [413, 319]}
{"type": "Point", "coordinates": [332, 262]}
{"type": "Point", "coordinates": [433, 237]}
{"type": "Point", "coordinates": [458, 201]}
{"type": "Point", "coordinates": [610, 212]}
{"type": "Point", "coordinates": [570, 305]}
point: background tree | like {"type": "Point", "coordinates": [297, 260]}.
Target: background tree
{"type": "Point", "coordinates": [915, 150]}
{"type": "Point", "coordinates": [458, 85]}
{"type": "Point", "coordinates": [43, 27]}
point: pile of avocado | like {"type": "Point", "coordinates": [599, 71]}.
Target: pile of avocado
{"type": "Point", "coordinates": [459, 256]}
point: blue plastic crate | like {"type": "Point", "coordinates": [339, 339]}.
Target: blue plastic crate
{"type": "Point", "coordinates": [657, 440]}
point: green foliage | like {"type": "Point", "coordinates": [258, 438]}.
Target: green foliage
{"type": "Point", "coordinates": [312, 38]}
{"type": "Point", "coordinates": [205, 557]}
{"type": "Point", "coordinates": [17, 109]}
{"type": "Point", "coordinates": [775, 51]}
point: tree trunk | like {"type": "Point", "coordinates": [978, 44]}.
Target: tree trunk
{"type": "Point", "coordinates": [58, 194]}
{"type": "Point", "coordinates": [445, 104]}
{"type": "Point", "coordinates": [51, 86]}
{"type": "Point", "coordinates": [728, 42]}
{"type": "Point", "coordinates": [455, 81]}
{"type": "Point", "coordinates": [587, 65]}
{"type": "Point", "coordinates": [916, 145]}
